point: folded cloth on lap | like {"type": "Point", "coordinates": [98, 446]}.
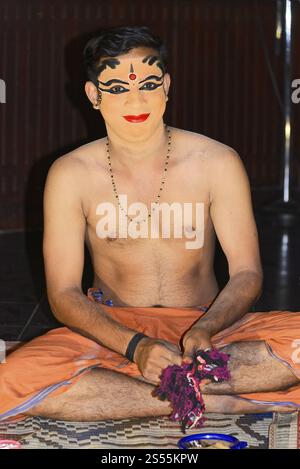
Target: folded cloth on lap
{"type": "Point", "coordinates": [51, 364]}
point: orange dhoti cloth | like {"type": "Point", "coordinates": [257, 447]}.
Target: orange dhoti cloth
{"type": "Point", "coordinates": [51, 364]}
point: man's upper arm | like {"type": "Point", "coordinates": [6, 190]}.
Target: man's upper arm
{"type": "Point", "coordinates": [64, 227]}
{"type": "Point", "coordinates": [232, 214]}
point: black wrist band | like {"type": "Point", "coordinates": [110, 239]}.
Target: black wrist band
{"type": "Point", "coordinates": [132, 345]}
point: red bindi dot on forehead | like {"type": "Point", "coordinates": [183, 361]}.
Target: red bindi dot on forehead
{"type": "Point", "coordinates": [132, 76]}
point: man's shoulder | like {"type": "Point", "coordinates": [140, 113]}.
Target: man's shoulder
{"type": "Point", "coordinates": [205, 147]}
{"type": "Point", "coordinates": [78, 160]}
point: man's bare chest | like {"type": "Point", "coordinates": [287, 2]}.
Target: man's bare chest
{"type": "Point", "coordinates": [146, 206]}
{"type": "Point", "coordinates": [180, 217]}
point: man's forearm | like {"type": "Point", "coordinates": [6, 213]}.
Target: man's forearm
{"type": "Point", "coordinates": [233, 302]}
{"type": "Point", "coordinates": [77, 312]}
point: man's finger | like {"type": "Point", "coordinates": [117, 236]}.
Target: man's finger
{"type": "Point", "coordinates": [154, 378]}
{"type": "Point", "coordinates": [177, 359]}
{"type": "Point", "coordinates": [173, 347]}
{"type": "Point", "coordinates": [187, 359]}
{"type": "Point", "coordinates": [173, 359]}
{"type": "Point", "coordinates": [188, 354]}
{"type": "Point", "coordinates": [204, 382]}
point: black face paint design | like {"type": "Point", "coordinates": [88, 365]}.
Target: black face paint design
{"type": "Point", "coordinates": [150, 86]}
{"type": "Point", "coordinates": [118, 89]}
{"type": "Point", "coordinates": [112, 63]}
{"type": "Point", "coordinates": [152, 77]}
{"type": "Point", "coordinates": [114, 80]}
{"type": "Point", "coordinates": [151, 59]}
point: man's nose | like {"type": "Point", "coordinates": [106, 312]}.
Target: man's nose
{"type": "Point", "coordinates": [135, 98]}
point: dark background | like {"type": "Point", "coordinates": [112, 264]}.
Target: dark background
{"type": "Point", "coordinates": [222, 54]}
{"type": "Point", "coordinates": [221, 85]}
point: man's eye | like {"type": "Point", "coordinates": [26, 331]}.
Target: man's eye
{"type": "Point", "coordinates": [117, 89]}
{"type": "Point", "coordinates": [149, 86]}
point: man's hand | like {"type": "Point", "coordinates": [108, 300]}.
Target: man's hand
{"type": "Point", "coordinates": [152, 356]}
{"type": "Point", "coordinates": [193, 340]}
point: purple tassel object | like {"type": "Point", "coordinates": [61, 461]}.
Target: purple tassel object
{"type": "Point", "coordinates": [181, 385]}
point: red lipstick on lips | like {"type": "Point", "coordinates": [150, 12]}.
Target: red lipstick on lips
{"type": "Point", "coordinates": [136, 119]}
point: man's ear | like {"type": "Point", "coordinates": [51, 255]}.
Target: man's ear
{"type": "Point", "coordinates": [91, 92]}
{"type": "Point", "coordinates": [167, 83]}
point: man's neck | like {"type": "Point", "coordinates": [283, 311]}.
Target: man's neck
{"type": "Point", "coordinates": [142, 153]}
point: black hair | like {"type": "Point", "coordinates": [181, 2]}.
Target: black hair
{"type": "Point", "coordinates": [112, 42]}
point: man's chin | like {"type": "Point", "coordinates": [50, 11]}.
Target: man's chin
{"type": "Point", "coordinates": [135, 132]}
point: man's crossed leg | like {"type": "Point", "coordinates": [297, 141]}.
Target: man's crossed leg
{"type": "Point", "coordinates": [104, 394]}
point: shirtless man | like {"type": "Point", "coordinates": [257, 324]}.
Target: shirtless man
{"type": "Point", "coordinates": [147, 272]}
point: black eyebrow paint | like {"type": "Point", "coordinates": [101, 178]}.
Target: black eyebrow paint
{"type": "Point", "coordinates": [151, 59]}
{"type": "Point", "coordinates": [112, 63]}
{"type": "Point", "coordinates": [114, 80]}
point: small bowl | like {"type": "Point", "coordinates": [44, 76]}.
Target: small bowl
{"type": "Point", "coordinates": [194, 441]}
{"type": "Point", "coordinates": [10, 444]}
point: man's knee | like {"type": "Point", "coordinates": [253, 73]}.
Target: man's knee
{"type": "Point", "coordinates": [246, 352]}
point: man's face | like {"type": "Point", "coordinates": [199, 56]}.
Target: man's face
{"type": "Point", "coordinates": [134, 93]}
